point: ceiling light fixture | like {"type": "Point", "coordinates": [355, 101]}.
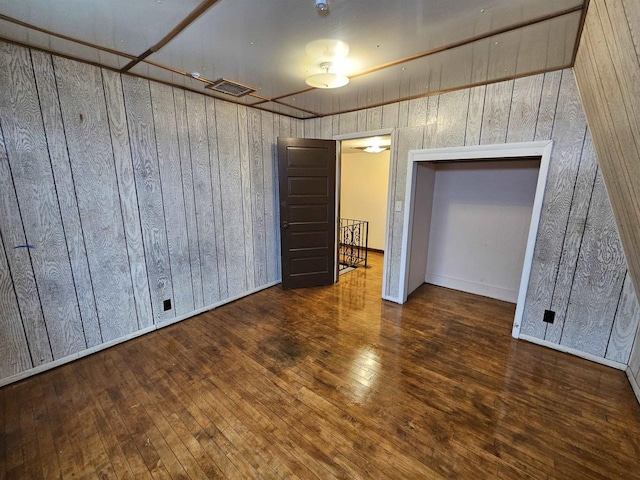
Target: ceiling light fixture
{"type": "Point", "coordinates": [375, 149]}
{"type": "Point", "coordinates": [322, 5]}
{"type": "Point", "coordinates": [328, 79]}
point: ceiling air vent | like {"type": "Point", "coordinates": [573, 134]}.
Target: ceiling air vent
{"type": "Point", "coordinates": [230, 87]}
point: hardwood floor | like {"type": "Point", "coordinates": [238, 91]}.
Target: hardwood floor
{"type": "Point", "coordinates": [327, 382]}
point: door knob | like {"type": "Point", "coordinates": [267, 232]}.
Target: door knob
{"type": "Point", "coordinates": [285, 225]}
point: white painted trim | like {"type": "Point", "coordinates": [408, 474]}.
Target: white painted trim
{"type": "Point", "coordinates": [634, 383]}
{"type": "Point", "coordinates": [573, 351]}
{"type": "Point", "coordinates": [70, 358]}
{"type": "Point", "coordinates": [476, 288]}
{"type": "Point", "coordinates": [370, 133]}
{"type": "Point", "coordinates": [481, 152]}
{"type": "Point", "coordinates": [390, 298]}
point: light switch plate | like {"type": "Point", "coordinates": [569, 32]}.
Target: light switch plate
{"type": "Point", "coordinates": [398, 205]}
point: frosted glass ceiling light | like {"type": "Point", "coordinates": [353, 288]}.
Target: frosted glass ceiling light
{"type": "Point", "coordinates": [328, 79]}
{"type": "Point", "coordinates": [374, 149]}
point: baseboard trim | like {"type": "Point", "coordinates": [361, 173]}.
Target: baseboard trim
{"type": "Point", "coordinates": [475, 288]}
{"type": "Point", "coordinates": [634, 383]}
{"type": "Point", "coordinates": [573, 351]}
{"type": "Point", "coordinates": [89, 351]}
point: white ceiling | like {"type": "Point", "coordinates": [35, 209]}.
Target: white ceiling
{"type": "Point", "coordinates": [263, 43]}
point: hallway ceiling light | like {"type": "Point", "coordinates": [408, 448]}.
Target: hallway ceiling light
{"type": "Point", "coordinates": [375, 148]}
{"type": "Point", "coordinates": [328, 79]}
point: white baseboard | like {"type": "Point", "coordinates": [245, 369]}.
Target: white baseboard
{"type": "Point", "coordinates": [490, 291]}
{"type": "Point", "coordinates": [70, 358]}
{"type": "Point", "coordinates": [634, 383]}
{"type": "Point", "coordinates": [573, 351]}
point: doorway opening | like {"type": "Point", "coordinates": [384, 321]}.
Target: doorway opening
{"type": "Point", "coordinates": [363, 189]}
{"type": "Point", "coordinates": [426, 228]}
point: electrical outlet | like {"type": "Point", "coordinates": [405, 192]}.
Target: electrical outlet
{"type": "Point", "coordinates": [167, 304]}
{"type": "Point", "coordinates": [549, 316]}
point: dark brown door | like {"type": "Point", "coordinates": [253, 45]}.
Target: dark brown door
{"type": "Point", "coordinates": [307, 171]}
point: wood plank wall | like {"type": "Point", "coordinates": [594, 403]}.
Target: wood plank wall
{"type": "Point", "coordinates": [607, 70]}
{"type": "Point", "coordinates": [130, 193]}
{"type": "Point", "coordinates": [579, 268]}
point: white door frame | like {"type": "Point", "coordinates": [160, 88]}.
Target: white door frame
{"type": "Point", "coordinates": [482, 152]}
{"type": "Point", "coordinates": [373, 133]}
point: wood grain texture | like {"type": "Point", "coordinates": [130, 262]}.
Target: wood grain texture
{"type": "Point", "coordinates": [144, 153]}
{"type": "Point", "coordinates": [26, 147]}
{"type": "Point", "coordinates": [326, 128]}
{"type": "Point", "coordinates": [599, 276]}
{"type": "Point", "coordinates": [634, 361]}
{"type": "Point", "coordinates": [452, 119]}
{"type": "Point", "coordinates": [417, 111]}
{"type": "Point", "coordinates": [474, 115]}
{"type": "Point", "coordinates": [164, 119]}
{"type": "Point", "coordinates": [57, 144]}
{"type": "Point", "coordinates": [390, 114]}
{"type": "Point", "coordinates": [495, 117]}
{"type": "Point", "coordinates": [410, 138]}
{"type": "Point", "coordinates": [523, 116]}
{"type": "Point", "coordinates": [271, 204]}
{"type": "Point", "coordinates": [374, 118]}
{"type": "Point", "coordinates": [548, 105]}
{"type": "Point", "coordinates": [189, 198]}
{"type": "Point", "coordinates": [608, 71]}
{"type": "Point", "coordinates": [82, 101]}
{"type": "Point", "coordinates": [348, 123]}
{"type": "Point", "coordinates": [231, 192]}
{"type": "Point", "coordinates": [572, 242]}
{"type": "Point", "coordinates": [15, 356]}
{"type": "Point", "coordinates": [625, 324]}
{"type": "Point", "coordinates": [431, 124]}
{"type": "Point", "coordinates": [568, 136]}
{"type": "Point", "coordinates": [119, 131]}
{"type": "Point", "coordinates": [329, 383]}
{"type": "Point", "coordinates": [245, 177]}
{"type": "Point", "coordinates": [214, 164]}
{"type": "Point", "coordinates": [256, 159]}
{"type": "Point", "coordinates": [200, 122]}
{"type": "Point", "coordinates": [19, 262]}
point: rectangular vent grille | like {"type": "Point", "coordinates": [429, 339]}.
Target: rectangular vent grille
{"type": "Point", "coordinates": [230, 88]}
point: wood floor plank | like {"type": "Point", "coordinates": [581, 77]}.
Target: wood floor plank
{"type": "Point", "coordinates": [328, 382]}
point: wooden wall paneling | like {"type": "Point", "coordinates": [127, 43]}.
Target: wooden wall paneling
{"type": "Point", "coordinates": [256, 157]}
{"type": "Point", "coordinates": [231, 189]}
{"type": "Point", "coordinates": [300, 133]}
{"type": "Point", "coordinates": [326, 128]}
{"type": "Point", "coordinates": [201, 123]}
{"type": "Point", "coordinates": [348, 123]}
{"type": "Point", "coordinates": [525, 103]}
{"type": "Point", "coordinates": [634, 361]}
{"type": "Point", "coordinates": [270, 182]}
{"type": "Point", "coordinates": [374, 118]}
{"type": "Point", "coordinates": [15, 356]}
{"type": "Point", "coordinates": [625, 324]}
{"type": "Point", "coordinates": [568, 136]}
{"type": "Point", "coordinates": [409, 138]}
{"type": "Point", "coordinates": [608, 71]}
{"type": "Point", "coordinates": [417, 111]}
{"type": "Point", "coordinates": [362, 120]}
{"type": "Point", "coordinates": [633, 18]}
{"type": "Point", "coordinates": [57, 144]}
{"type": "Point", "coordinates": [495, 118]}
{"type": "Point", "coordinates": [285, 127]}
{"type": "Point", "coordinates": [119, 131]}
{"type": "Point", "coordinates": [142, 134]}
{"type": "Point", "coordinates": [245, 179]}
{"type": "Point", "coordinates": [431, 122]}
{"type": "Point", "coordinates": [310, 128]}
{"type": "Point", "coordinates": [403, 114]}
{"type": "Point", "coordinates": [390, 115]}
{"type": "Point", "coordinates": [548, 104]}
{"type": "Point", "coordinates": [474, 115]}
{"type": "Point", "coordinates": [84, 112]}
{"type": "Point", "coordinates": [276, 130]}
{"type": "Point", "coordinates": [19, 262]}
{"type": "Point", "coordinates": [214, 168]}
{"type": "Point", "coordinates": [26, 149]}
{"type": "Point", "coordinates": [452, 119]}
{"type": "Point", "coordinates": [573, 234]}
{"type": "Point", "coordinates": [186, 169]}
{"type": "Point", "coordinates": [598, 281]}
{"type": "Point", "coordinates": [166, 129]}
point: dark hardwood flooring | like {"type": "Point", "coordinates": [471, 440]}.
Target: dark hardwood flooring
{"type": "Point", "coordinates": [327, 382]}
